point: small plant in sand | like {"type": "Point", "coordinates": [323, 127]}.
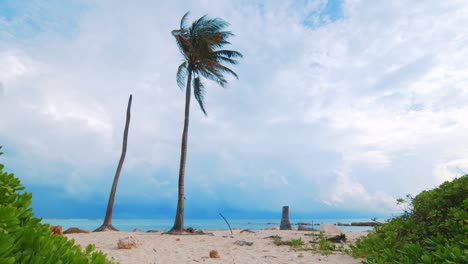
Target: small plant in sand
{"type": "Point", "coordinates": [325, 245]}
{"type": "Point", "coordinates": [277, 240]}
{"type": "Point", "coordinates": [296, 242]}
{"type": "Point", "coordinates": [293, 243]}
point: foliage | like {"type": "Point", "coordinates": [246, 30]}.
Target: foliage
{"type": "Point", "coordinates": [326, 245]}
{"type": "Point", "coordinates": [23, 239]}
{"type": "Point", "coordinates": [277, 240]}
{"type": "Point", "coordinates": [295, 243]}
{"type": "Point", "coordinates": [200, 44]}
{"type": "Point", "coordinates": [433, 229]}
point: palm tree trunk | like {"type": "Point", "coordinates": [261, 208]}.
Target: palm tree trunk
{"type": "Point", "coordinates": [179, 219]}
{"type": "Point", "coordinates": [107, 225]}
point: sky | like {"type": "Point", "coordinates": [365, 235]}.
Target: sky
{"type": "Point", "coordinates": [341, 107]}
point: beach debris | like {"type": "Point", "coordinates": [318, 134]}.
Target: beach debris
{"type": "Point", "coordinates": [304, 228]}
{"type": "Point", "coordinates": [153, 231]}
{"type": "Point", "coordinates": [272, 237]}
{"type": "Point", "coordinates": [330, 230]}
{"type": "Point", "coordinates": [338, 238]}
{"type": "Point", "coordinates": [226, 222]}
{"type": "Point", "coordinates": [56, 230]}
{"type": "Point", "coordinates": [185, 233]}
{"type": "Point", "coordinates": [127, 242]}
{"type": "Point", "coordinates": [366, 224]}
{"type": "Point", "coordinates": [248, 231]}
{"type": "Point", "coordinates": [136, 230]}
{"type": "Point", "coordinates": [243, 243]}
{"type": "Point", "coordinates": [190, 230]}
{"type": "Point", "coordinates": [272, 228]}
{"type": "Point", "coordinates": [75, 230]}
{"type": "Point", "coordinates": [342, 224]}
{"type": "Point", "coordinates": [177, 239]}
{"type": "Point", "coordinates": [285, 224]}
{"type": "Point", "coordinates": [312, 234]}
{"type": "Point", "coordinates": [214, 254]}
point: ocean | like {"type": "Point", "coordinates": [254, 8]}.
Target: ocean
{"type": "Point", "coordinates": [205, 224]}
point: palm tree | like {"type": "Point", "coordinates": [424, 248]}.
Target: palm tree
{"type": "Point", "coordinates": [107, 225]}
{"type": "Point", "coordinates": [200, 45]}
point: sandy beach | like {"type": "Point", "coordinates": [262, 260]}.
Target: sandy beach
{"type": "Point", "coordinates": [163, 248]}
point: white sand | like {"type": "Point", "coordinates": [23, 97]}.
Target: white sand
{"type": "Point", "coordinates": [167, 249]}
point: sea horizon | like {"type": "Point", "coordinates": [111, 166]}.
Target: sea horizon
{"type": "Point", "coordinates": [164, 224]}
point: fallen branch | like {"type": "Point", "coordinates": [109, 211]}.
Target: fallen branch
{"type": "Point", "coordinates": [226, 223]}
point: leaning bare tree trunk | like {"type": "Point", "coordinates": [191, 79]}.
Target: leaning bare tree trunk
{"type": "Point", "coordinates": [107, 225]}
{"type": "Point", "coordinates": [285, 224]}
{"type": "Point", "coordinates": [179, 219]}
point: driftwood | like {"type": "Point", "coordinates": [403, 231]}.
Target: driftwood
{"type": "Point", "coordinates": [192, 233]}
{"type": "Point", "coordinates": [226, 222]}
{"type": "Point", "coordinates": [272, 237]}
{"type": "Point", "coordinates": [248, 231]}
{"type": "Point", "coordinates": [243, 243]}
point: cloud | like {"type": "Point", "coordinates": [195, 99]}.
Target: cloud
{"type": "Point", "coordinates": [2, 90]}
{"type": "Point", "coordinates": [449, 170]}
{"type": "Point", "coordinates": [340, 104]}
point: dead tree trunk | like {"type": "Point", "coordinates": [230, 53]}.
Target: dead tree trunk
{"type": "Point", "coordinates": [285, 224]}
{"type": "Point", "coordinates": [107, 225]}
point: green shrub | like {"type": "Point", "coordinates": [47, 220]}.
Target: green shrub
{"type": "Point", "coordinates": [433, 230]}
{"type": "Point", "coordinates": [23, 239]}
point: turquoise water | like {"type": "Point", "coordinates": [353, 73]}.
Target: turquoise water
{"type": "Point", "coordinates": [205, 224]}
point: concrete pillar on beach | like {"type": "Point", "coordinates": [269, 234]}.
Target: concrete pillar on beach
{"type": "Point", "coordinates": [285, 224]}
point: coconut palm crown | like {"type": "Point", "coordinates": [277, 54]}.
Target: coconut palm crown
{"type": "Point", "coordinates": [200, 44]}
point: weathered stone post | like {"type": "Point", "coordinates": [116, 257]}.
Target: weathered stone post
{"type": "Point", "coordinates": [285, 224]}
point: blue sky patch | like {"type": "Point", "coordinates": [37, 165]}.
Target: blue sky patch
{"type": "Point", "coordinates": [331, 12]}
{"type": "Point", "coordinates": [26, 19]}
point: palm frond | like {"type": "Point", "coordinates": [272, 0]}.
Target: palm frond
{"type": "Point", "coordinates": [229, 53]}
{"type": "Point", "coordinates": [197, 24]}
{"type": "Point", "coordinates": [199, 93]}
{"type": "Point", "coordinates": [182, 74]}
{"type": "Point", "coordinates": [183, 44]}
{"type": "Point", "coordinates": [213, 25]}
{"type": "Point", "coordinates": [201, 44]}
{"type": "Point", "coordinates": [224, 69]}
{"type": "Point", "coordinates": [214, 66]}
{"type": "Point", "coordinates": [183, 21]}
{"type": "Point", "coordinates": [213, 75]}
{"type": "Point", "coordinates": [220, 59]}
